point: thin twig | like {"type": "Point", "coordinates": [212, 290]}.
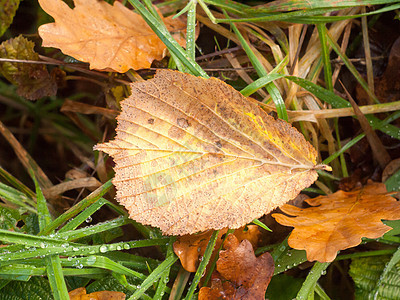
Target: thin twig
{"type": "Point", "coordinates": [378, 150]}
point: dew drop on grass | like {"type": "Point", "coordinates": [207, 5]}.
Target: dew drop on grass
{"type": "Point", "coordinates": [103, 249]}
{"type": "Point", "coordinates": [91, 260]}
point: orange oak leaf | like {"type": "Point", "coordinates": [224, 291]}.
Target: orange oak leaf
{"type": "Point", "coordinates": [241, 275]}
{"type": "Point", "coordinates": [109, 37]}
{"type": "Point", "coordinates": [190, 248]}
{"type": "Point", "coordinates": [80, 294]}
{"type": "Point", "coordinates": [339, 221]}
{"type": "Point", "coordinates": [193, 154]}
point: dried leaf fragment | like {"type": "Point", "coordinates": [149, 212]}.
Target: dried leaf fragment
{"type": "Point", "coordinates": [193, 154]}
{"type": "Point", "coordinates": [109, 37]}
{"type": "Point", "coordinates": [339, 221]}
{"type": "Point", "coordinates": [190, 248]}
{"type": "Point", "coordinates": [8, 9]}
{"type": "Point", "coordinates": [33, 80]}
{"type": "Point", "coordinates": [241, 274]}
{"type": "Point", "coordinates": [80, 294]}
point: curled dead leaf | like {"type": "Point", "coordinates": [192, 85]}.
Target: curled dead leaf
{"type": "Point", "coordinates": [109, 37]}
{"type": "Point", "coordinates": [190, 248]}
{"type": "Point", "coordinates": [241, 275]}
{"type": "Point", "coordinates": [339, 221]}
{"type": "Point", "coordinates": [193, 154]}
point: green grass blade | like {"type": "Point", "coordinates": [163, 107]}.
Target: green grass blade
{"type": "Point", "coordinates": [21, 272]}
{"type": "Point", "coordinates": [16, 183]}
{"type": "Point", "coordinates": [83, 216]}
{"type": "Point", "coordinates": [302, 16]}
{"type": "Point", "coordinates": [155, 275]}
{"type": "Point", "coordinates": [311, 280]}
{"type": "Point", "coordinates": [29, 240]}
{"type": "Point", "coordinates": [261, 224]}
{"type": "Point", "coordinates": [88, 231]}
{"type": "Point", "coordinates": [351, 68]}
{"type": "Point", "coordinates": [278, 100]}
{"type": "Point", "coordinates": [325, 56]}
{"type": "Point", "coordinates": [53, 265]}
{"type": "Point", "coordinates": [71, 249]}
{"type": "Point", "coordinates": [16, 197]}
{"type": "Point", "coordinates": [97, 261]}
{"type": "Point", "coordinates": [271, 87]}
{"type": "Point", "coordinates": [43, 212]}
{"type": "Point", "coordinates": [338, 102]}
{"type": "Point", "coordinates": [289, 5]}
{"type": "Point", "coordinates": [162, 283]}
{"type": "Point", "coordinates": [56, 278]}
{"type": "Point", "coordinates": [291, 259]}
{"type": "Point", "coordinates": [191, 31]}
{"type": "Point", "coordinates": [172, 45]}
{"type": "Point", "coordinates": [203, 264]}
{"type": "Point", "coordinates": [260, 83]}
{"type": "Point", "coordinates": [77, 208]}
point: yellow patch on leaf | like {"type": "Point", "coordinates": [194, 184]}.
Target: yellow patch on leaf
{"type": "Point", "coordinates": [109, 37]}
{"type": "Point", "coordinates": [339, 221]}
{"type": "Point", "coordinates": [190, 157]}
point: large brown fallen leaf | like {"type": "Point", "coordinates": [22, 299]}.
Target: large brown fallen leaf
{"type": "Point", "coordinates": [241, 275]}
{"type": "Point", "coordinates": [108, 37]}
{"type": "Point", "coordinates": [190, 248]}
{"type": "Point", "coordinates": [193, 154]}
{"type": "Point", "coordinates": [339, 221]}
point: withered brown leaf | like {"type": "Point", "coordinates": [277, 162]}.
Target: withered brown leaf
{"type": "Point", "coordinates": [241, 275]}
{"type": "Point", "coordinates": [190, 248]}
{"type": "Point", "coordinates": [339, 221]}
{"type": "Point", "coordinates": [33, 80]}
{"type": "Point", "coordinates": [193, 154]}
{"type": "Point", "coordinates": [109, 37]}
{"type": "Point", "coordinates": [80, 294]}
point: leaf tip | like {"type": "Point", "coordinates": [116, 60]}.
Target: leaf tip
{"type": "Point", "coordinates": [323, 167]}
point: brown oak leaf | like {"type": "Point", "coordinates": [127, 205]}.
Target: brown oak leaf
{"type": "Point", "coordinates": [194, 154]}
{"type": "Point", "coordinates": [240, 274]}
{"type": "Point", "coordinates": [109, 37]}
{"type": "Point", "coordinates": [190, 248]}
{"type": "Point", "coordinates": [339, 221]}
